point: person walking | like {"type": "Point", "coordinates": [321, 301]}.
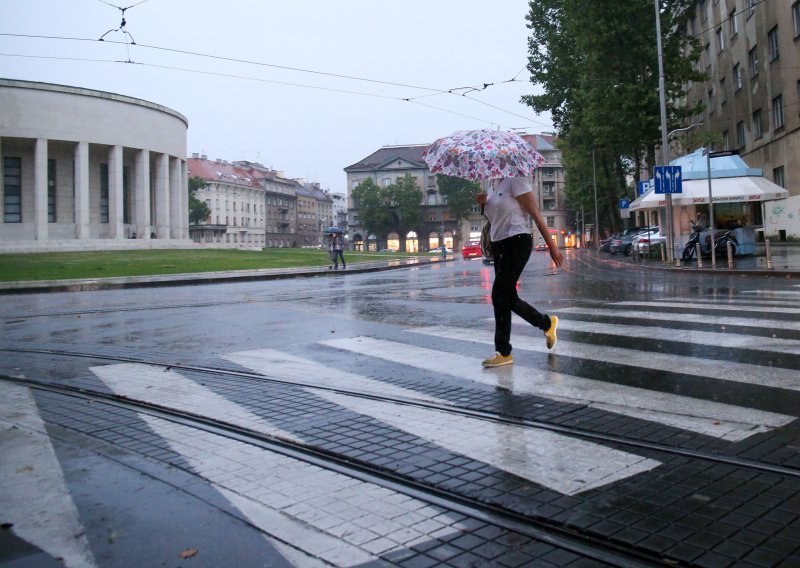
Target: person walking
{"type": "Point", "coordinates": [508, 204]}
{"type": "Point", "coordinates": [338, 253]}
{"type": "Point", "coordinates": [331, 242]}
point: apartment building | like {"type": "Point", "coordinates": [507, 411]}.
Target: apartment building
{"type": "Point", "coordinates": [751, 53]}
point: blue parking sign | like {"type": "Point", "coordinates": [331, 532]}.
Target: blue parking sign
{"type": "Point", "coordinates": [668, 179]}
{"type": "Point", "coordinates": [624, 203]}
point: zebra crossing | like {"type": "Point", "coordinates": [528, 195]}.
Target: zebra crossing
{"type": "Point", "coordinates": [265, 488]}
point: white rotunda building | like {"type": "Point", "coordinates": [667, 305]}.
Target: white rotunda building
{"type": "Point", "coordinates": [89, 170]}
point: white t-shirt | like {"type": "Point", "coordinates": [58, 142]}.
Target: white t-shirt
{"type": "Point", "coordinates": [504, 211]}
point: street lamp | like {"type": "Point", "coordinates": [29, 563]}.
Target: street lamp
{"type": "Point", "coordinates": [664, 134]}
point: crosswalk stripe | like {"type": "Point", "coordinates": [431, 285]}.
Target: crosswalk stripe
{"type": "Point", "coordinates": [683, 318]}
{"type": "Point", "coordinates": [169, 388]}
{"type": "Point", "coordinates": [283, 366]}
{"type": "Point", "coordinates": [31, 474]}
{"type": "Point", "coordinates": [776, 293]}
{"type": "Point", "coordinates": [711, 418]}
{"type": "Point", "coordinates": [567, 465]}
{"type": "Point", "coordinates": [707, 306]}
{"type": "Point", "coordinates": [726, 340]}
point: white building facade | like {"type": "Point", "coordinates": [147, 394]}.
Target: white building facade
{"type": "Point", "coordinates": [88, 170]}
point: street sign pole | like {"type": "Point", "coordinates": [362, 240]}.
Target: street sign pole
{"type": "Point", "coordinates": [664, 134]}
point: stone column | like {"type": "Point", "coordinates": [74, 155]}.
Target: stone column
{"type": "Point", "coordinates": [184, 199]}
{"type": "Point", "coordinates": [40, 189]}
{"type": "Point", "coordinates": [176, 191]}
{"type": "Point", "coordinates": [162, 196]}
{"type": "Point", "coordinates": [141, 200]}
{"type": "Point", "coordinates": [115, 192]}
{"type": "Point", "coordinates": [81, 192]}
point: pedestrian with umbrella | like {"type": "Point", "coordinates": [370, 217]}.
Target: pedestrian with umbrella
{"type": "Point", "coordinates": [336, 247]}
{"type": "Point", "coordinates": [503, 160]}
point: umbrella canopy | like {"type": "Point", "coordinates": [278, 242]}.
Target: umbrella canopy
{"type": "Point", "coordinates": [723, 190]}
{"type": "Point", "coordinates": [482, 154]}
{"type": "Point", "coordinates": [332, 230]}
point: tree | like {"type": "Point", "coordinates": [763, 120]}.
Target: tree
{"type": "Point", "coordinates": [406, 198]}
{"type": "Point", "coordinates": [597, 64]}
{"type": "Point", "coordinates": [372, 203]}
{"type": "Point", "coordinates": [198, 210]}
{"type": "Point", "coordinates": [460, 194]}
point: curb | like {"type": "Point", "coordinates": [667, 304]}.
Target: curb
{"type": "Point", "coordinates": [188, 279]}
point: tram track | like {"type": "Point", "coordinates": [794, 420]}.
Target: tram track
{"type": "Point", "coordinates": [573, 431]}
{"type": "Point", "coordinates": [540, 529]}
{"type": "Point", "coordinates": [576, 540]}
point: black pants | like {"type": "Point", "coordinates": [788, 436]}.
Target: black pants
{"type": "Point", "coordinates": [510, 257]}
{"type": "Point", "coordinates": [337, 254]}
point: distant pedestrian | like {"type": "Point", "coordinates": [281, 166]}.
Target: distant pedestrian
{"type": "Point", "coordinates": [338, 253]}
{"type": "Point", "coordinates": [444, 252]}
{"type": "Point", "coordinates": [331, 243]}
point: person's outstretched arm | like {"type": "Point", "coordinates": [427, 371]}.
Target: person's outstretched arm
{"type": "Point", "coordinates": [528, 203]}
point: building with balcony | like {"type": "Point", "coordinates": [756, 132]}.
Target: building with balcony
{"type": "Point", "coordinates": [390, 163]}
{"type": "Point", "coordinates": [251, 206]}
{"type": "Point", "coordinates": [89, 170]}
{"type": "Point", "coordinates": [385, 167]}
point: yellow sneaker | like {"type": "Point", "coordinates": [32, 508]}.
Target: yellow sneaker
{"type": "Point", "coordinates": [550, 334]}
{"type": "Point", "coordinates": [498, 360]}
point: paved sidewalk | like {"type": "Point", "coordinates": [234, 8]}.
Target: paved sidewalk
{"type": "Point", "coordinates": [785, 262]}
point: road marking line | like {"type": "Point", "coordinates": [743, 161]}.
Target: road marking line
{"type": "Point", "coordinates": [698, 305]}
{"type": "Point", "coordinates": [684, 318]}
{"type": "Point", "coordinates": [705, 338]}
{"type": "Point", "coordinates": [33, 493]}
{"type": "Point", "coordinates": [169, 388]}
{"type": "Point", "coordinates": [711, 418]}
{"type": "Point", "coordinates": [561, 463]}
{"type": "Point", "coordinates": [276, 364]}
{"type": "Point", "coordinates": [331, 516]}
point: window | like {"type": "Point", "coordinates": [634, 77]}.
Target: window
{"type": "Point", "coordinates": [777, 112]}
{"type": "Point", "coordinates": [740, 140]}
{"type": "Point", "coordinates": [796, 18]}
{"type": "Point", "coordinates": [703, 11]}
{"type": "Point", "coordinates": [431, 199]}
{"type": "Point", "coordinates": [723, 95]}
{"type": "Point", "coordinates": [737, 77]}
{"type": "Point", "coordinates": [778, 176]}
{"type": "Point", "coordinates": [733, 25]}
{"type": "Point", "coordinates": [758, 131]}
{"type": "Point", "coordinates": [386, 182]}
{"type": "Point", "coordinates": [51, 191]}
{"type": "Point", "coordinates": [551, 221]}
{"type": "Point", "coordinates": [104, 193]}
{"type": "Point", "coordinates": [710, 101]}
{"type": "Point", "coordinates": [751, 7]}
{"type": "Point", "coordinates": [752, 59]}
{"type": "Point", "coordinates": [126, 195]}
{"type": "Point", "coordinates": [707, 54]}
{"type": "Point", "coordinates": [12, 190]}
{"type": "Point", "coordinates": [720, 40]}
{"type": "Point", "coordinates": [772, 38]}
{"type": "Point", "coordinates": [726, 140]}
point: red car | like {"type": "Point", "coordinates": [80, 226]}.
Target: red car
{"type": "Point", "coordinates": [471, 249]}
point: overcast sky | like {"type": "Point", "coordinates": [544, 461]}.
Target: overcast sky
{"type": "Point", "coordinates": [296, 120]}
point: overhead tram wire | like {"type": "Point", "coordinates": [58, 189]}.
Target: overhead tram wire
{"type": "Point", "coordinates": [288, 68]}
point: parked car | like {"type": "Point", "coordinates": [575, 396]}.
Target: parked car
{"type": "Point", "coordinates": [471, 249]}
{"type": "Point", "coordinates": [438, 250]}
{"type": "Point", "coordinates": [541, 247]}
{"type": "Point", "coordinates": [624, 245]}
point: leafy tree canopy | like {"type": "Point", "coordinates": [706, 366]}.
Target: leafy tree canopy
{"type": "Point", "coordinates": [372, 203]}
{"type": "Point", "coordinates": [198, 210]}
{"type": "Point", "coordinates": [406, 198]}
{"type": "Point", "coordinates": [460, 194]}
{"type": "Point", "coordinates": [596, 64]}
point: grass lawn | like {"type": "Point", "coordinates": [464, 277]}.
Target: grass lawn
{"type": "Point", "coordinates": [62, 265]}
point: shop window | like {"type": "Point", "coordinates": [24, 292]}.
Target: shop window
{"type": "Point", "coordinates": [104, 193]}
{"type": "Point", "coordinates": [51, 190]}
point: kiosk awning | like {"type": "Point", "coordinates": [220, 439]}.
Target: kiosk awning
{"type": "Point", "coordinates": [723, 190]}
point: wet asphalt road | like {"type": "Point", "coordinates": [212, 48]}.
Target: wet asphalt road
{"type": "Point", "coordinates": [402, 328]}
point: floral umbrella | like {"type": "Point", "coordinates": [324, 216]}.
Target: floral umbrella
{"type": "Point", "coordinates": [482, 154]}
